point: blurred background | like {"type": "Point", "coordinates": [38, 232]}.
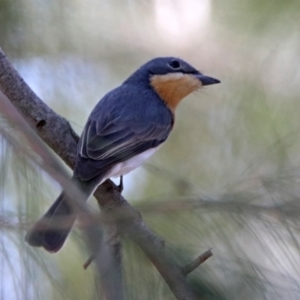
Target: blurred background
{"type": "Point", "coordinates": [228, 177]}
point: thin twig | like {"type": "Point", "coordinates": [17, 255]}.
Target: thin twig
{"type": "Point", "coordinates": [88, 262]}
{"type": "Point", "coordinates": [189, 268]}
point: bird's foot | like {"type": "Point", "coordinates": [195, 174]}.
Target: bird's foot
{"type": "Point", "coordinates": [121, 186]}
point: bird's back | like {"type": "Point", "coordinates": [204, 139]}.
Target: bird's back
{"type": "Point", "coordinates": [129, 116]}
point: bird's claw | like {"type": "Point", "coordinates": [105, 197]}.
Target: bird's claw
{"type": "Point", "coordinates": [121, 186]}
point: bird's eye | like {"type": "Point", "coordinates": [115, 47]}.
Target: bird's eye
{"type": "Point", "coordinates": [175, 64]}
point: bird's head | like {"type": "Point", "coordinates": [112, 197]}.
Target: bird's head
{"type": "Point", "coordinates": [171, 78]}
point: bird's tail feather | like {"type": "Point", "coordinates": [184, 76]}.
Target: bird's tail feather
{"type": "Point", "coordinates": [53, 228]}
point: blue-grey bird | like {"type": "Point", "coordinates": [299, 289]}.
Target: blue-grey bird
{"type": "Point", "coordinates": [124, 129]}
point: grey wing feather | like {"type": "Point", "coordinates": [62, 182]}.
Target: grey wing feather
{"type": "Point", "coordinates": [114, 133]}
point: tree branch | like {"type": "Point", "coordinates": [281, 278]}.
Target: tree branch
{"type": "Point", "coordinates": [58, 134]}
{"type": "Point", "coordinates": [107, 264]}
{"type": "Point", "coordinates": [53, 129]}
{"type": "Point", "coordinates": [189, 268]}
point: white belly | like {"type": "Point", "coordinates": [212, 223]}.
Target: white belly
{"type": "Point", "coordinates": [130, 164]}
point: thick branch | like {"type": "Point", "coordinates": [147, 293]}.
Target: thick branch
{"type": "Point", "coordinates": [58, 134]}
{"type": "Point", "coordinates": [107, 263]}
{"type": "Point", "coordinates": [54, 130]}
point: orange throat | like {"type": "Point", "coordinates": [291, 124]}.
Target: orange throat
{"type": "Point", "coordinates": [172, 88]}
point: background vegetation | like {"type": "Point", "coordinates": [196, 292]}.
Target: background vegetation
{"type": "Point", "coordinates": [228, 178]}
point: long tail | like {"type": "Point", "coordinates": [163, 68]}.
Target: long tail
{"type": "Point", "coordinates": [53, 228]}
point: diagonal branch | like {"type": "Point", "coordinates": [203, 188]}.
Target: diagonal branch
{"type": "Point", "coordinates": [58, 134]}
{"type": "Point", "coordinates": [189, 268]}
{"type": "Point", "coordinates": [107, 264]}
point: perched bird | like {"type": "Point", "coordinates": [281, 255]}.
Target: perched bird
{"type": "Point", "coordinates": [124, 129]}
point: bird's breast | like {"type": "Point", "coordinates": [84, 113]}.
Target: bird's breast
{"type": "Point", "coordinates": [173, 87]}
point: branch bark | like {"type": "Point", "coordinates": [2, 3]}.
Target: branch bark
{"type": "Point", "coordinates": [108, 264]}
{"type": "Point", "coordinates": [197, 262]}
{"type": "Point", "coordinates": [58, 135]}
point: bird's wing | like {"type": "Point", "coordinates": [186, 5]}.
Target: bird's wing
{"type": "Point", "coordinates": [115, 133]}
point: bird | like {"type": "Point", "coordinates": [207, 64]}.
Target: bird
{"type": "Point", "coordinates": [123, 130]}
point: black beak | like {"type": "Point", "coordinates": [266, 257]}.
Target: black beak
{"type": "Point", "coordinates": [207, 80]}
